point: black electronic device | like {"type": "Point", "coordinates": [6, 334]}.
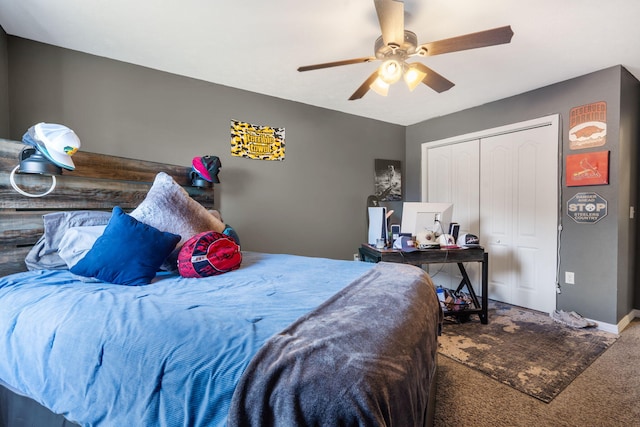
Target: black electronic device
{"type": "Point", "coordinates": [395, 231]}
{"type": "Point", "coordinates": [454, 229]}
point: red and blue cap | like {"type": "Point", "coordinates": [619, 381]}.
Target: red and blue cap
{"type": "Point", "coordinates": [207, 167]}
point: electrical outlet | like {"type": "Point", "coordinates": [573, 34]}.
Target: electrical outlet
{"type": "Point", "coordinates": [356, 257]}
{"type": "Point", "coordinates": [569, 278]}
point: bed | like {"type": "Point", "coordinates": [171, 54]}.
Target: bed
{"type": "Point", "coordinates": [282, 340]}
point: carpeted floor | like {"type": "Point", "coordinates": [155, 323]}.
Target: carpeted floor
{"type": "Point", "coordinates": [524, 349]}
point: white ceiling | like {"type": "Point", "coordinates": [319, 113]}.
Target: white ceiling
{"type": "Point", "coordinates": [257, 45]}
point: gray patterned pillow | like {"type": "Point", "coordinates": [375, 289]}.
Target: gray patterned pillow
{"type": "Point", "coordinates": [168, 207]}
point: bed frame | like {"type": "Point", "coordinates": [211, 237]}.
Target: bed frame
{"type": "Point", "coordinates": [99, 182]}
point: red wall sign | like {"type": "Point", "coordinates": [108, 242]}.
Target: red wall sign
{"type": "Point", "coordinates": [587, 169]}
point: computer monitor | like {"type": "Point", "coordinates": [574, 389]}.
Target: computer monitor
{"type": "Point", "coordinates": [418, 217]}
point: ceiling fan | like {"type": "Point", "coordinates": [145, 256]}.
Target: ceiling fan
{"type": "Point", "coordinates": [397, 45]}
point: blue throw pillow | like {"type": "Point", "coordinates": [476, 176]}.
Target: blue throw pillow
{"type": "Point", "coordinates": [129, 252]}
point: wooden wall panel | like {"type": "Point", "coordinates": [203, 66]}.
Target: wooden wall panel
{"type": "Point", "coordinates": [20, 228]}
{"type": "Point", "coordinates": [12, 259]}
{"type": "Point", "coordinates": [99, 182]}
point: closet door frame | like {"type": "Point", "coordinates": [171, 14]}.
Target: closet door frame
{"type": "Point", "coordinates": [551, 120]}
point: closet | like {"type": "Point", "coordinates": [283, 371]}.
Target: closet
{"type": "Point", "coordinates": [503, 183]}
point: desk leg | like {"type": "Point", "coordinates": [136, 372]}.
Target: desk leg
{"type": "Point", "coordinates": [484, 317]}
{"type": "Point", "coordinates": [484, 313]}
{"type": "Point", "coordinates": [466, 281]}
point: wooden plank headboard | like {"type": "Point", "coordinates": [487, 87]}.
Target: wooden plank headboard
{"type": "Point", "coordinates": [99, 182]}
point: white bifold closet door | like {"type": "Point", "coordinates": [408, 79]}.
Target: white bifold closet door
{"type": "Point", "coordinates": [518, 216]}
{"type": "Point", "coordinates": [504, 186]}
{"type": "Point", "coordinates": [454, 178]}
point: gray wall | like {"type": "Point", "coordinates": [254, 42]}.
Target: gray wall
{"type": "Point", "coordinates": [312, 203]}
{"type": "Point", "coordinates": [629, 143]}
{"type": "Point", "coordinates": [4, 86]}
{"type": "Point", "coordinates": [602, 255]}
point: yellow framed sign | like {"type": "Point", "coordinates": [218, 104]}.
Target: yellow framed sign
{"type": "Point", "coordinates": [256, 141]}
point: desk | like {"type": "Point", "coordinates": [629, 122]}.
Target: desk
{"type": "Point", "coordinates": [459, 256]}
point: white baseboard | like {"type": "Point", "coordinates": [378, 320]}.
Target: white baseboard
{"type": "Point", "coordinates": [623, 323]}
{"type": "Point", "coordinates": [609, 327]}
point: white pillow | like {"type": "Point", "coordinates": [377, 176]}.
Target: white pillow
{"type": "Point", "coordinates": [77, 241]}
{"type": "Point", "coordinates": [57, 223]}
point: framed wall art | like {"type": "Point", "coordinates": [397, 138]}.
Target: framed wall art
{"type": "Point", "coordinates": [588, 126]}
{"type": "Point", "coordinates": [256, 141]}
{"type": "Point", "coordinates": [587, 169]}
{"type": "Point", "coordinates": [388, 180]}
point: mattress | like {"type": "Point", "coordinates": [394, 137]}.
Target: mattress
{"type": "Point", "coordinates": [254, 346]}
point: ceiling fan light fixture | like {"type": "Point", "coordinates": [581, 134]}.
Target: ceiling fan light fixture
{"type": "Point", "coordinates": [390, 71]}
{"type": "Point", "coordinates": [380, 87]}
{"type": "Point", "coordinates": [396, 45]}
{"type": "Point", "coordinates": [413, 76]}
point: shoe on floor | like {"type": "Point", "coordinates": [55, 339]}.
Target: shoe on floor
{"type": "Point", "coordinates": [571, 318]}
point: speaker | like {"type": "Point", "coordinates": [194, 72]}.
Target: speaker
{"type": "Point", "coordinates": [454, 229]}
{"type": "Point", "coordinates": [395, 231]}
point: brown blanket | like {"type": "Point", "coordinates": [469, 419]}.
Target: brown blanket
{"type": "Point", "coordinates": [366, 357]}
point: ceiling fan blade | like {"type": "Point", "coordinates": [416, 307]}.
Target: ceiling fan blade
{"type": "Point", "coordinates": [391, 18]}
{"type": "Point", "coordinates": [364, 87]}
{"type": "Point", "coordinates": [485, 38]}
{"type": "Point", "coordinates": [337, 63]}
{"type": "Point", "coordinates": [432, 79]}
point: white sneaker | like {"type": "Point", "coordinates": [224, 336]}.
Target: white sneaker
{"type": "Point", "coordinates": [572, 319]}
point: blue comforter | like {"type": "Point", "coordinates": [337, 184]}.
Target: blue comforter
{"type": "Point", "coordinates": [166, 354]}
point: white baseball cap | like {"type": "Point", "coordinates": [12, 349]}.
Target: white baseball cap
{"type": "Point", "coordinates": [468, 239]}
{"type": "Point", "coordinates": [56, 142]}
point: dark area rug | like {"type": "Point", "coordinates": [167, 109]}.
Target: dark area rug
{"type": "Point", "coordinates": [524, 349]}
